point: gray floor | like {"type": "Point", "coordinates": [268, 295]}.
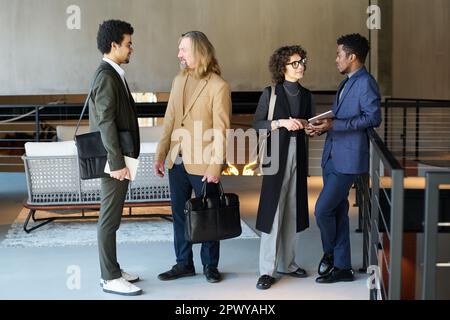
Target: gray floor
{"type": "Point", "coordinates": [47, 273]}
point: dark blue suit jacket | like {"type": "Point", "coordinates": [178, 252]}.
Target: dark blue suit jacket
{"type": "Point", "coordinates": [357, 110]}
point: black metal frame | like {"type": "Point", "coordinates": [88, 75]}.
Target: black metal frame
{"type": "Point", "coordinates": [44, 221]}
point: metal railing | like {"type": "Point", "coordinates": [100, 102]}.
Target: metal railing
{"type": "Point", "coordinates": [431, 228]}
{"type": "Point", "coordinates": [418, 130]}
{"type": "Point", "coordinates": [37, 123]}
{"type": "Point", "coordinates": [369, 188]}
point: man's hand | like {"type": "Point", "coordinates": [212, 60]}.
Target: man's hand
{"type": "Point", "coordinates": [120, 174]}
{"type": "Point", "coordinates": [322, 125]}
{"type": "Point", "coordinates": [310, 131]}
{"type": "Point", "coordinates": [210, 178]}
{"type": "Point", "coordinates": [158, 168]}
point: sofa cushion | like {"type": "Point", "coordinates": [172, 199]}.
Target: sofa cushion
{"type": "Point", "coordinates": [43, 149]}
{"type": "Point", "coordinates": [148, 147]}
{"type": "Point", "coordinates": [147, 134]}
{"type": "Point", "coordinates": [68, 148]}
{"type": "Point", "coordinates": [65, 133]}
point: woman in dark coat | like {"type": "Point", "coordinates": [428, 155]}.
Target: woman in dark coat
{"type": "Point", "coordinates": [283, 204]}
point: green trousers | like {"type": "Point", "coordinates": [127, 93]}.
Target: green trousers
{"type": "Point", "coordinates": [113, 193]}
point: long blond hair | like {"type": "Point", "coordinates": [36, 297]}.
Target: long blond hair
{"type": "Point", "coordinates": [203, 52]}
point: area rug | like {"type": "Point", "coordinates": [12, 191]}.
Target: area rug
{"type": "Point", "coordinates": [84, 233]}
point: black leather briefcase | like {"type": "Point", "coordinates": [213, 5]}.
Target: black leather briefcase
{"type": "Point", "coordinates": [212, 217]}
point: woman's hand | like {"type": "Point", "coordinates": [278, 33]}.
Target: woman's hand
{"type": "Point", "coordinates": [293, 124]}
{"type": "Point", "coordinates": [304, 123]}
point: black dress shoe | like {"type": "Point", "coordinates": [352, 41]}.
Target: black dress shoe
{"type": "Point", "coordinates": [265, 282]}
{"type": "Point", "coordinates": [299, 273]}
{"type": "Point", "coordinates": [176, 272]}
{"type": "Point", "coordinates": [326, 264]}
{"type": "Point", "coordinates": [212, 274]}
{"type": "Point", "coordinates": [337, 275]}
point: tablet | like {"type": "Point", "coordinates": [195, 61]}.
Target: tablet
{"type": "Point", "coordinates": [325, 115]}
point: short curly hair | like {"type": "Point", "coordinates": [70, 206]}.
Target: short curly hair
{"type": "Point", "coordinates": [279, 59]}
{"type": "Point", "coordinates": [112, 31]}
{"type": "Point", "coordinates": [355, 44]}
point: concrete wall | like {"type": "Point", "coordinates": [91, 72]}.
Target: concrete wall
{"type": "Point", "coordinates": [40, 55]}
{"type": "Point", "coordinates": [421, 49]}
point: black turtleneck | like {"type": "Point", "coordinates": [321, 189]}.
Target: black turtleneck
{"type": "Point", "coordinates": [292, 90]}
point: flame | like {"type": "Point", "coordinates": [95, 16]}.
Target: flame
{"type": "Point", "coordinates": [230, 171]}
{"type": "Point", "coordinates": [249, 169]}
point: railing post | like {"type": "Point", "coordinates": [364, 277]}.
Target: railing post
{"type": "Point", "coordinates": [37, 126]}
{"type": "Point", "coordinates": [364, 209]}
{"type": "Point", "coordinates": [417, 129]}
{"type": "Point", "coordinates": [374, 212]}
{"type": "Point", "coordinates": [396, 243]}
{"type": "Point", "coordinates": [386, 121]}
{"type": "Point", "coordinates": [405, 114]}
{"type": "Point", "coordinates": [373, 254]}
{"type": "Point", "coordinates": [432, 182]}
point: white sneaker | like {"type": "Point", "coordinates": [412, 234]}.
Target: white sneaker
{"type": "Point", "coordinates": [122, 287]}
{"type": "Point", "coordinates": [127, 276]}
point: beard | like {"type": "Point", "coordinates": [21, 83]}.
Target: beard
{"type": "Point", "coordinates": [183, 65]}
{"type": "Point", "coordinates": [344, 71]}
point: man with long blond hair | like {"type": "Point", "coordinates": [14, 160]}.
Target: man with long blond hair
{"type": "Point", "coordinates": [193, 141]}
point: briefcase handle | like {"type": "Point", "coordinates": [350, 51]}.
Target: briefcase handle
{"type": "Point", "coordinates": [205, 183]}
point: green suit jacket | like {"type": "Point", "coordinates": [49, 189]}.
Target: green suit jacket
{"type": "Point", "coordinates": [111, 110]}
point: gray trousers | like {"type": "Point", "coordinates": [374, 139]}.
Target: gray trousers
{"type": "Point", "coordinates": [277, 249]}
{"type": "Point", "coordinates": [113, 193]}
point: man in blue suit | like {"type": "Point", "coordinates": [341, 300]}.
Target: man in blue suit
{"type": "Point", "coordinates": [346, 154]}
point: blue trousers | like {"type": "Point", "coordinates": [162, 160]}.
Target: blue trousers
{"type": "Point", "coordinates": [332, 215]}
{"type": "Point", "coordinates": [181, 186]}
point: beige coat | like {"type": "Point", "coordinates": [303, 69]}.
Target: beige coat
{"type": "Point", "coordinates": [203, 150]}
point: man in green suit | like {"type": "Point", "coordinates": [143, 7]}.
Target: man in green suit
{"type": "Point", "coordinates": [112, 110]}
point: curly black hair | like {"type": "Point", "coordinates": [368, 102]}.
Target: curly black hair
{"type": "Point", "coordinates": [112, 31]}
{"type": "Point", "coordinates": [279, 59]}
{"type": "Point", "coordinates": [355, 44]}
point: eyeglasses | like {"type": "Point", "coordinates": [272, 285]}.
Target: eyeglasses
{"type": "Point", "coordinates": [295, 64]}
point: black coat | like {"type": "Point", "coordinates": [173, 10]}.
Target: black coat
{"type": "Point", "coordinates": [271, 184]}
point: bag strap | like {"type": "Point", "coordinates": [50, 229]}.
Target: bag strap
{"type": "Point", "coordinates": [205, 183]}
{"type": "Point", "coordinates": [85, 105]}
{"type": "Point", "coordinates": [273, 99]}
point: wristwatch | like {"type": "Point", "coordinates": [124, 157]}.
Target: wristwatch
{"type": "Point", "coordinates": [277, 123]}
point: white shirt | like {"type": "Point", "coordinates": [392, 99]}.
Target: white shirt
{"type": "Point", "coordinates": [116, 67]}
